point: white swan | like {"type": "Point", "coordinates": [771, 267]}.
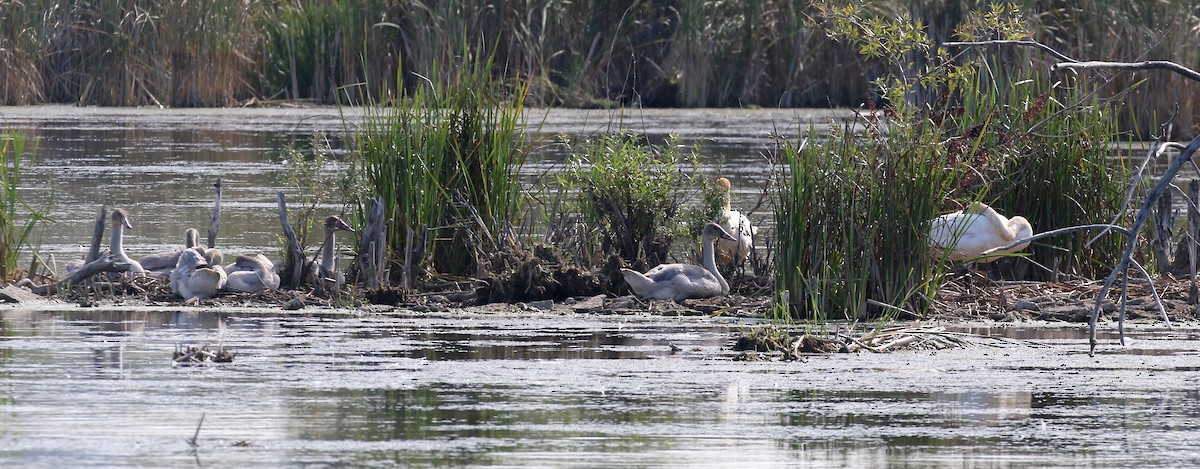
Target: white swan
{"type": "Point", "coordinates": [966, 234]}
{"type": "Point", "coordinates": [120, 221]}
{"type": "Point", "coordinates": [251, 273]}
{"type": "Point", "coordinates": [324, 267]}
{"type": "Point", "coordinates": [194, 278]}
{"type": "Point", "coordinates": [734, 252]}
{"type": "Point", "coordinates": [683, 281]}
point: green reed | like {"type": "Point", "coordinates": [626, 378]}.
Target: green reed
{"type": "Point", "coordinates": [14, 236]}
{"type": "Point", "coordinates": [446, 158]}
{"type": "Point", "coordinates": [851, 213]}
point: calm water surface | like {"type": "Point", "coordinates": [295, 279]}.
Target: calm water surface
{"type": "Point", "coordinates": [96, 386]}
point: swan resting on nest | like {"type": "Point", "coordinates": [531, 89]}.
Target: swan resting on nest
{"type": "Point", "coordinates": [250, 273]}
{"type": "Point", "coordinates": [682, 281]}
{"type": "Point", "coordinates": [193, 278]}
{"type": "Point", "coordinates": [120, 221]}
{"type": "Point", "coordinates": [966, 235]}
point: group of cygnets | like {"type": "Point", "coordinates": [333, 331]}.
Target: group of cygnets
{"type": "Point", "coordinates": [196, 272]}
{"type": "Point", "coordinates": [975, 234]}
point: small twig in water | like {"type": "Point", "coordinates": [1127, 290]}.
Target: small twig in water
{"type": "Point", "coordinates": [195, 436]}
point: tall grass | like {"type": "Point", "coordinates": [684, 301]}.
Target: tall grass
{"type": "Point", "coordinates": [446, 158]}
{"type": "Point", "coordinates": [852, 213]}
{"type": "Point", "coordinates": [1060, 167]}
{"type": "Point", "coordinates": [14, 236]}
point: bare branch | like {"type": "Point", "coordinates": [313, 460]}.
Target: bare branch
{"type": "Point", "coordinates": [1033, 44]}
{"type": "Point", "coordinates": [1147, 65]}
{"type": "Point", "coordinates": [1144, 213]}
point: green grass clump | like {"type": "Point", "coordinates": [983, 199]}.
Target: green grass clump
{"type": "Point", "coordinates": [631, 194]}
{"type": "Point", "coordinates": [446, 158]}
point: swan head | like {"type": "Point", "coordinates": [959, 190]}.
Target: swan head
{"type": "Point", "coordinates": [723, 182]}
{"type": "Point", "coordinates": [1024, 229]}
{"type": "Point", "coordinates": [120, 218]}
{"type": "Point", "coordinates": [714, 231]}
{"type": "Point", "coordinates": [334, 223]}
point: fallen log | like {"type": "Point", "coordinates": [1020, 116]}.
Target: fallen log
{"type": "Point", "coordinates": [97, 235]}
{"type": "Point", "coordinates": [105, 264]}
{"type": "Point", "coordinates": [291, 274]}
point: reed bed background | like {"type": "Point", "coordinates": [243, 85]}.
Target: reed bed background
{"type": "Point", "coordinates": [589, 53]}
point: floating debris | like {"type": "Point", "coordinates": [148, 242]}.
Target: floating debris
{"type": "Point", "coordinates": [190, 355]}
{"type": "Point", "coordinates": [777, 340]}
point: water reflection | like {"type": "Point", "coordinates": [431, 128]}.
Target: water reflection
{"type": "Point", "coordinates": [333, 388]}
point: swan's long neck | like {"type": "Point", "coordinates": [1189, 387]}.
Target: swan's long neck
{"type": "Point", "coordinates": [710, 262]}
{"type": "Point", "coordinates": [1002, 225]}
{"type": "Point", "coordinates": [725, 203]}
{"type": "Point", "coordinates": [117, 244]}
{"type": "Point", "coordinates": [327, 258]}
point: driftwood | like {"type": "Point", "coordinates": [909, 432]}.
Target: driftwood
{"type": "Point", "coordinates": [998, 43]}
{"type": "Point", "coordinates": [291, 274]}
{"type": "Point", "coordinates": [372, 247]}
{"type": "Point", "coordinates": [1068, 63]}
{"type": "Point", "coordinates": [215, 225]}
{"type": "Point", "coordinates": [1164, 224]}
{"type": "Point", "coordinates": [1192, 237]}
{"type": "Point", "coordinates": [97, 235]}
{"type": "Point", "coordinates": [105, 264]}
{"type": "Point", "coordinates": [1122, 267]}
{"type": "Point", "coordinates": [1147, 65]}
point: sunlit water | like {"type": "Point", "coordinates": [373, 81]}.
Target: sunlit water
{"type": "Point", "coordinates": [97, 387]}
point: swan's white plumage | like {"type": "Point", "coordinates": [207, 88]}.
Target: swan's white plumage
{"type": "Point", "coordinates": [967, 234]}
{"type": "Point", "coordinates": [683, 281]}
{"type": "Point", "coordinates": [733, 252]}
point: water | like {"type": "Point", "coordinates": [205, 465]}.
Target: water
{"type": "Point", "coordinates": [97, 387]}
